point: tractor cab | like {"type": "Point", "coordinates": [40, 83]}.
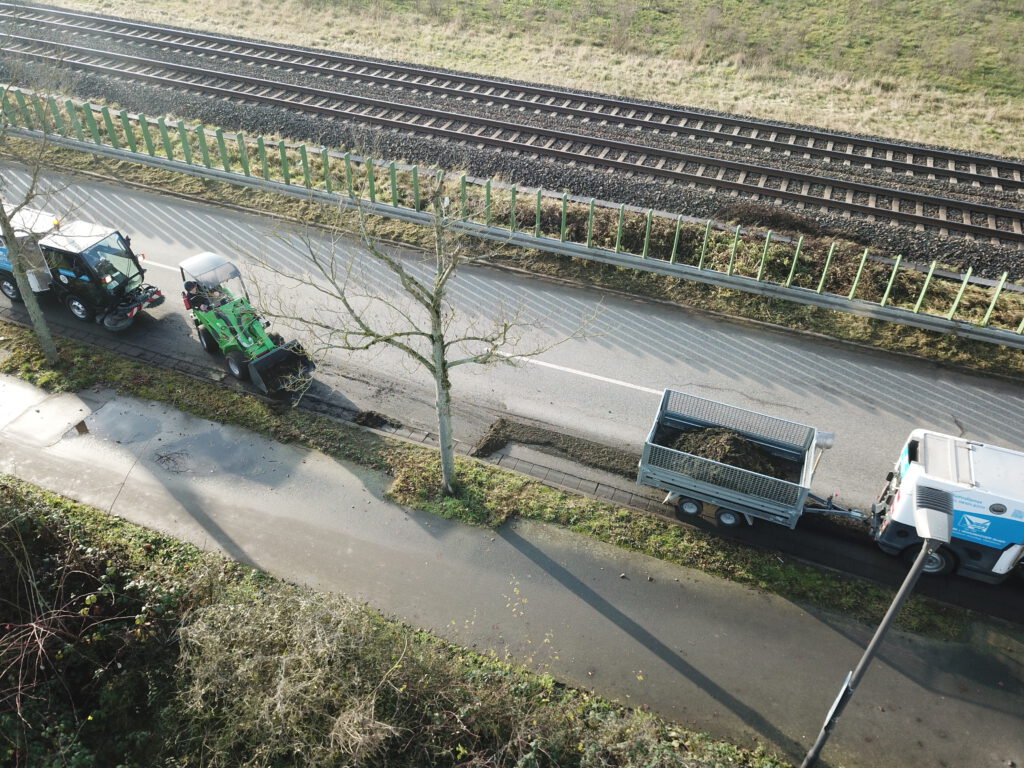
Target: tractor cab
{"type": "Point", "coordinates": [91, 269]}
{"type": "Point", "coordinates": [212, 281]}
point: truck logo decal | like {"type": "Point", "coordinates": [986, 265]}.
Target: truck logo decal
{"type": "Point", "coordinates": [971, 524]}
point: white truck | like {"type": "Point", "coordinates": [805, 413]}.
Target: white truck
{"type": "Point", "coordinates": [986, 482]}
{"type": "Point", "coordinates": [89, 268]}
{"type": "Point", "coordinates": [987, 485]}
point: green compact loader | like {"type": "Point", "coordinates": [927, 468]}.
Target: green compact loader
{"type": "Point", "coordinates": [227, 323]}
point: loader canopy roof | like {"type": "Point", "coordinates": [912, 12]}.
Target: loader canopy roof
{"type": "Point", "coordinates": [208, 269]}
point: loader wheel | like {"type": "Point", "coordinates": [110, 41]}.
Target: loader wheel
{"type": "Point", "coordinates": [77, 308]}
{"type": "Point", "coordinates": [238, 365]}
{"type": "Point", "coordinates": [687, 507]}
{"type": "Point", "coordinates": [727, 518]}
{"type": "Point", "coordinates": [941, 562]}
{"type": "Point", "coordinates": [9, 287]}
{"type": "Point", "coordinates": [207, 342]}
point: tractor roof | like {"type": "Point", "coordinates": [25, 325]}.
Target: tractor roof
{"type": "Point", "coordinates": [76, 236]}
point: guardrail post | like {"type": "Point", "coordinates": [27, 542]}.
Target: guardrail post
{"type": "Point", "coordinates": [243, 152]}
{"type": "Point", "coordinates": [348, 174]}
{"type": "Point", "coordinates": [8, 108]}
{"type": "Point", "coordinates": [960, 294]}
{"type": "Point", "coordinates": [828, 266]}
{"type": "Point", "coordinates": [536, 226]}
{"type": "Point", "coordinates": [37, 106]}
{"type": "Point", "coordinates": [565, 216]}
{"type": "Point", "coordinates": [1020, 328]}
{"type": "Point", "coordinates": [325, 165]}
{"type": "Point", "coordinates": [618, 234]}
{"type": "Point", "coordinates": [90, 121]}
{"type": "Point", "coordinates": [416, 187]}
{"type": "Point", "coordinates": [394, 183]}
{"type": "Point", "coordinates": [129, 130]}
{"type": "Point", "coordinates": [285, 171]}
{"type": "Point", "coordinates": [58, 121]}
{"type": "Point", "coordinates": [995, 298]}
{"type": "Point", "coordinates": [764, 256]}
{"type": "Point", "coordinates": [487, 203]}
{"type": "Point", "coordinates": [165, 137]}
{"type": "Point", "coordinates": [143, 126]}
{"type": "Point", "coordinates": [647, 234]}
{"type": "Point", "coordinates": [732, 251]}
{"type": "Point", "coordinates": [109, 125]}
{"type": "Point", "coordinates": [796, 258]}
{"type": "Point", "coordinates": [261, 150]}
{"type": "Point", "coordinates": [924, 288]}
{"type": "Point", "coordinates": [72, 111]}
{"type": "Point", "coordinates": [704, 246]}
{"type": "Point", "coordinates": [860, 271]}
{"type": "Point", "coordinates": [304, 159]}
{"type": "Point", "coordinates": [224, 158]}
{"type": "Point", "coordinates": [204, 148]}
{"type": "Point", "coordinates": [675, 241]}
{"type": "Point", "coordinates": [186, 145]}
{"type": "Point", "coordinates": [463, 200]}
{"type": "Point", "coordinates": [19, 97]}
{"type": "Point", "coordinates": [370, 180]}
{"type": "Point", "coordinates": [892, 279]}
{"type": "Point", "coordinates": [512, 210]}
{"type": "Point", "coordinates": [590, 225]}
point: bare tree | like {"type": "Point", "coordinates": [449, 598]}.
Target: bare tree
{"type": "Point", "coordinates": [355, 312]}
{"type": "Point", "coordinates": [15, 207]}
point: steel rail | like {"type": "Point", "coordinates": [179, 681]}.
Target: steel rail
{"type": "Point", "coordinates": [569, 139]}
{"type": "Point", "coordinates": [301, 58]}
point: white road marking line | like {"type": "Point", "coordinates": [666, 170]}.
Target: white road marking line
{"type": "Point", "coordinates": [147, 263]}
{"type": "Point", "coordinates": [605, 379]}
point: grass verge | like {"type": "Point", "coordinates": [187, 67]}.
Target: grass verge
{"type": "Point", "coordinates": [488, 496]}
{"type": "Point", "coordinates": [143, 645]}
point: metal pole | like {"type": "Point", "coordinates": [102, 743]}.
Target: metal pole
{"type": "Point", "coordinates": [853, 678]}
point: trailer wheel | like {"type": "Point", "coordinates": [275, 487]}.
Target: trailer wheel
{"type": "Point", "coordinates": [238, 366]}
{"type": "Point", "coordinates": [9, 287]}
{"type": "Point", "coordinates": [727, 518]}
{"type": "Point", "coordinates": [77, 308]}
{"type": "Point", "coordinates": [941, 562]}
{"type": "Point", "coordinates": [207, 342]}
{"type": "Point", "coordinates": [687, 507]}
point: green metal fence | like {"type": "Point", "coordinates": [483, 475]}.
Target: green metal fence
{"type": "Point", "coordinates": [642, 239]}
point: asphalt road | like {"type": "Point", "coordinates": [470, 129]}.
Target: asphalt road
{"type": "Point", "coordinates": [604, 386]}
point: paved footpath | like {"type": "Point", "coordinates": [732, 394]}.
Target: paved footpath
{"type": "Point", "coordinates": [741, 665]}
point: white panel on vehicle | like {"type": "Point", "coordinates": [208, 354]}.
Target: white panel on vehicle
{"type": "Point", "coordinates": [1000, 471]}
{"type": "Point", "coordinates": [947, 458]}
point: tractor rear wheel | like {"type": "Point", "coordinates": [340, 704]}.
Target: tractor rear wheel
{"type": "Point", "coordinates": [238, 365]}
{"type": "Point", "coordinates": [9, 287]}
{"type": "Point", "coordinates": [207, 342]}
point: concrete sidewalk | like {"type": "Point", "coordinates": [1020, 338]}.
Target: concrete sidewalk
{"type": "Point", "coordinates": [714, 656]}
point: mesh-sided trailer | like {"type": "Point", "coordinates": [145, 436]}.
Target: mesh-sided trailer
{"type": "Point", "coordinates": [738, 493]}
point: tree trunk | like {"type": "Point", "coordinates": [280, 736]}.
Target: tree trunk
{"type": "Point", "coordinates": [15, 255]}
{"type": "Point", "coordinates": [444, 414]}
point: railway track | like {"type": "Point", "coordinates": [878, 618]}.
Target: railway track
{"type": "Point", "coordinates": [499, 116]}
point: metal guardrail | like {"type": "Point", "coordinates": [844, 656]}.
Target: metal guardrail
{"type": "Point", "coordinates": [47, 112]}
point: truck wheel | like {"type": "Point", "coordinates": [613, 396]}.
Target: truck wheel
{"type": "Point", "coordinates": [9, 287]}
{"type": "Point", "coordinates": [727, 518]}
{"type": "Point", "coordinates": [687, 507]}
{"type": "Point", "coordinates": [77, 308]}
{"type": "Point", "coordinates": [941, 562]}
{"type": "Point", "coordinates": [238, 365]}
{"type": "Point", "coordinates": [207, 342]}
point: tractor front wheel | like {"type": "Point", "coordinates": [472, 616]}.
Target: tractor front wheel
{"type": "Point", "coordinates": [238, 365]}
{"type": "Point", "coordinates": [207, 342]}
